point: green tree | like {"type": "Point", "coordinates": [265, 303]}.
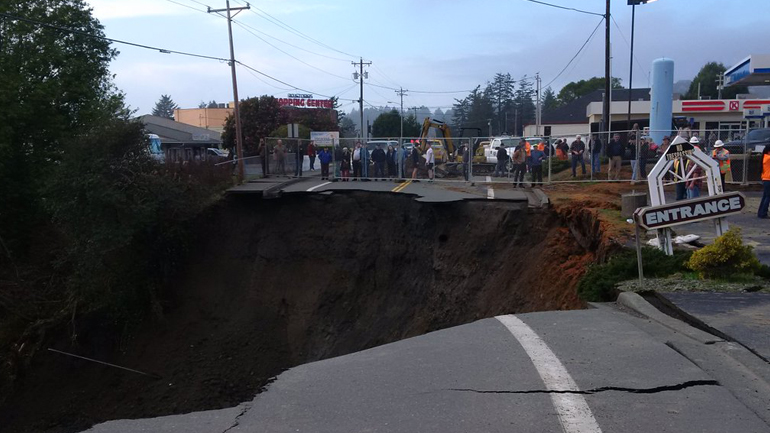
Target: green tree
{"type": "Point", "coordinates": [165, 107]}
{"type": "Point", "coordinates": [411, 127]}
{"type": "Point", "coordinates": [549, 101]}
{"type": "Point", "coordinates": [347, 127]}
{"type": "Point", "coordinates": [55, 84]}
{"type": "Point", "coordinates": [259, 117]}
{"type": "Point", "coordinates": [502, 92]}
{"type": "Point", "coordinates": [707, 80]}
{"type": "Point", "coordinates": [387, 124]}
{"type": "Point", "coordinates": [576, 89]}
{"type": "Point", "coordinates": [524, 105]}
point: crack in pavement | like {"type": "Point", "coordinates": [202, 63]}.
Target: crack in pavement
{"type": "Point", "coordinates": [657, 389]}
{"type": "Point", "coordinates": [236, 423]}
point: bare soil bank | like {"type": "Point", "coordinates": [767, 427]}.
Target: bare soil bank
{"type": "Point", "coordinates": [274, 284]}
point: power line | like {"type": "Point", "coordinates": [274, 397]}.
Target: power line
{"type": "Point", "coordinates": [289, 44]}
{"type": "Point", "coordinates": [266, 16]}
{"type": "Point", "coordinates": [202, 4]}
{"type": "Point", "coordinates": [186, 6]}
{"type": "Point", "coordinates": [385, 75]}
{"type": "Point", "coordinates": [578, 53]}
{"type": "Point", "coordinates": [293, 57]}
{"type": "Point", "coordinates": [281, 81]}
{"type": "Point", "coordinates": [148, 47]}
{"type": "Point", "coordinates": [116, 41]}
{"type": "Point", "coordinates": [638, 63]}
{"type": "Point", "coordinates": [441, 91]}
{"type": "Point", "coordinates": [565, 8]}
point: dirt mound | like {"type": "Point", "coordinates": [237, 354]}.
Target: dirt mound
{"type": "Point", "coordinates": [274, 284]}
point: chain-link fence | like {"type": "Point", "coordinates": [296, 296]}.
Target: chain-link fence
{"type": "Point", "coordinates": [588, 157]}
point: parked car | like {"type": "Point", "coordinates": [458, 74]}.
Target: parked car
{"type": "Point", "coordinates": [217, 154]}
{"type": "Point", "coordinates": [755, 142]}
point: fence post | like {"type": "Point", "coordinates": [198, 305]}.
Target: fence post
{"type": "Point", "coordinates": [550, 158]}
{"type": "Point", "coordinates": [745, 156]}
{"type": "Point", "coordinates": [471, 154]}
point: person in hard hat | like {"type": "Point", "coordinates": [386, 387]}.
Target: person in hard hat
{"type": "Point", "coordinates": [722, 156]}
{"type": "Point", "coordinates": [765, 202]}
{"type": "Point", "coordinates": [695, 141]}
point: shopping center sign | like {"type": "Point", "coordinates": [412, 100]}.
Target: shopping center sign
{"type": "Point", "coordinates": [688, 211]}
{"type": "Point", "coordinates": [304, 100]}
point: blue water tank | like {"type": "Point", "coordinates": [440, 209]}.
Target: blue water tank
{"type": "Point", "coordinates": [662, 99]}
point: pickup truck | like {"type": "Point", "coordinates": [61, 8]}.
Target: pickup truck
{"type": "Point", "coordinates": [755, 141]}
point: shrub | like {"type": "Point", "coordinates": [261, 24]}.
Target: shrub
{"type": "Point", "coordinates": [557, 165]}
{"type": "Point", "coordinates": [598, 284]}
{"type": "Point", "coordinates": [726, 257]}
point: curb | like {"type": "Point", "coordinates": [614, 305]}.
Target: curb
{"type": "Point", "coordinates": [634, 302]}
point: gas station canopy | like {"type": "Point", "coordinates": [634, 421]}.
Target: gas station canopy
{"type": "Point", "coordinates": [751, 71]}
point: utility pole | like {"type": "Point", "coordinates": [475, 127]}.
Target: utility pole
{"type": "Point", "coordinates": [538, 120]}
{"type": "Point", "coordinates": [401, 92]}
{"type": "Point", "coordinates": [236, 111]}
{"type": "Point", "coordinates": [607, 119]}
{"type": "Point", "coordinates": [631, 67]}
{"type": "Point", "coordinates": [360, 75]}
{"type": "Point", "coordinates": [720, 84]}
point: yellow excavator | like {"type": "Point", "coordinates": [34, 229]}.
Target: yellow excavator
{"type": "Point", "coordinates": [445, 138]}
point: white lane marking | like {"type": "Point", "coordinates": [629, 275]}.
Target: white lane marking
{"type": "Point", "coordinates": [489, 178]}
{"type": "Point", "coordinates": [491, 193]}
{"type": "Point", "coordinates": [317, 186]}
{"type": "Point", "coordinates": [574, 414]}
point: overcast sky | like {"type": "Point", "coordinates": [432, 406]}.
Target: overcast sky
{"type": "Point", "coordinates": [426, 45]}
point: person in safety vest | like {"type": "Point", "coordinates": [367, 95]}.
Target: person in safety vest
{"type": "Point", "coordinates": [765, 202]}
{"type": "Point", "coordinates": [722, 156]}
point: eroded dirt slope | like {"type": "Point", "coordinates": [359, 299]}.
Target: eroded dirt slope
{"type": "Point", "coordinates": [273, 284]}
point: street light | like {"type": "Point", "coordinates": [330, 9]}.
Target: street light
{"type": "Point", "coordinates": [633, 4]}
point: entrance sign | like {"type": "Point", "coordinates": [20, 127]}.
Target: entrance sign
{"type": "Point", "coordinates": [688, 211]}
{"type": "Point", "coordinates": [676, 166]}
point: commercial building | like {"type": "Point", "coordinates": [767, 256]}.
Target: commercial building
{"type": "Point", "coordinates": [725, 117]}
{"type": "Point", "coordinates": [179, 141]}
{"type": "Point", "coordinates": [206, 118]}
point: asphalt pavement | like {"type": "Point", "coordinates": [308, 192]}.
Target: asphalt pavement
{"type": "Point", "coordinates": [578, 371]}
{"type": "Point", "coordinates": [744, 317]}
{"type": "Point", "coordinates": [423, 190]}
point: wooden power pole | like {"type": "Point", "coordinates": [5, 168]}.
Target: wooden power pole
{"type": "Point", "coordinates": [236, 111]}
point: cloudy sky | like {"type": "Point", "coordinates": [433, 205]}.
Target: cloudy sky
{"type": "Point", "coordinates": [426, 46]}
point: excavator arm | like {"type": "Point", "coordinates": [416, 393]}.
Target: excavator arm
{"type": "Point", "coordinates": [446, 135]}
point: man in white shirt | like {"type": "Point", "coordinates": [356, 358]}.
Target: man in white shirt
{"type": "Point", "coordinates": [357, 161]}
{"type": "Point", "coordinates": [430, 161]}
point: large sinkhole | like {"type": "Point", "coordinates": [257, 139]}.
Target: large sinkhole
{"type": "Point", "coordinates": [271, 284]}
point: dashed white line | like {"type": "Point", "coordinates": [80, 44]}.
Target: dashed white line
{"type": "Point", "coordinates": [574, 414]}
{"type": "Point", "coordinates": [491, 193]}
{"type": "Point", "coordinates": [489, 178]}
{"type": "Point", "coordinates": [317, 186]}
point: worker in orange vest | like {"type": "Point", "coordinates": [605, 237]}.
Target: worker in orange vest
{"type": "Point", "coordinates": [722, 156]}
{"type": "Point", "coordinates": [765, 202]}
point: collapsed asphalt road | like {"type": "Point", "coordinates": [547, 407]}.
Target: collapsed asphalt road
{"type": "Point", "coordinates": [579, 371]}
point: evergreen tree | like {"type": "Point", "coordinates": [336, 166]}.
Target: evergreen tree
{"type": "Point", "coordinates": [165, 107]}
{"type": "Point", "coordinates": [524, 105]}
{"type": "Point", "coordinates": [549, 101]}
{"type": "Point", "coordinates": [502, 92]}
